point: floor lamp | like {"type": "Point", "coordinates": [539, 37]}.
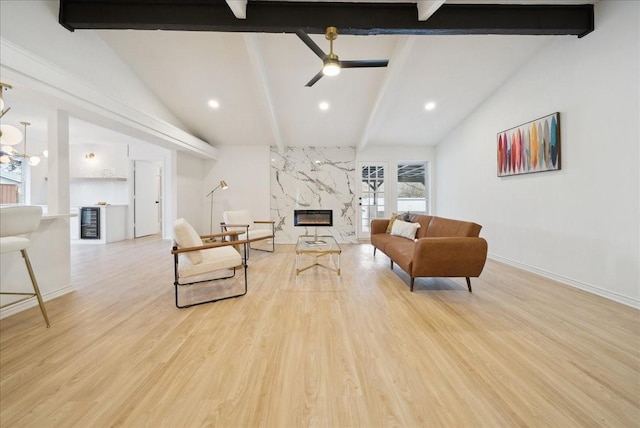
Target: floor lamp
{"type": "Point", "coordinates": [222, 185]}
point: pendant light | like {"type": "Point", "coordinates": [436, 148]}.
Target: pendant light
{"type": "Point", "coordinates": [13, 153]}
{"type": "Point", "coordinates": [9, 134]}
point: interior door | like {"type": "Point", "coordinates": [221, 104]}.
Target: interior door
{"type": "Point", "coordinates": [371, 198]}
{"type": "Point", "coordinates": [146, 198]}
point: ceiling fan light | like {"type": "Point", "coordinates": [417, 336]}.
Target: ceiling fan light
{"type": "Point", "coordinates": [10, 135]}
{"type": "Point", "coordinates": [331, 67]}
{"type": "Point", "coordinates": [34, 160]}
{"type": "Point", "coordinates": [5, 159]}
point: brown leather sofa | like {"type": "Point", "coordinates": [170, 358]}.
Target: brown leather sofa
{"type": "Point", "coordinates": [442, 248]}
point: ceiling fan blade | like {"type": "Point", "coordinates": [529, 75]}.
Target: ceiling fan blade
{"type": "Point", "coordinates": [311, 44]}
{"type": "Point", "coordinates": [315, 79]}
{"type": "Point", "coordinates": [364, 63]}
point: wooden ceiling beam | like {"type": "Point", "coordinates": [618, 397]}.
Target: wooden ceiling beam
{"type": "Point", "coordinates": [359, 18]}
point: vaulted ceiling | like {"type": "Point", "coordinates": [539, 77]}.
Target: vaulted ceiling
{"type": "Point", "coordinates": [246, 56]}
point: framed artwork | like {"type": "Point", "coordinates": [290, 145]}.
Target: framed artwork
{"type": "Point", "coordinates": [530, 147]}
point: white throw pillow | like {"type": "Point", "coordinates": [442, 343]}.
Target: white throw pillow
{"type": "Point", "coordinates": [404, 229]}
{"type": "Point", "coordinates": [186, 236]}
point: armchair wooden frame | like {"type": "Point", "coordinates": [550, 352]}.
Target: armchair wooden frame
{"type": "Point", "coordinates": [225, 227]}
{"type": "Point", "coordinates": [176, 251]}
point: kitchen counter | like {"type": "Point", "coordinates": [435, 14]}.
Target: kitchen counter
{"type": "Point", "coordinates": [50, 255]}
{"type": "Point", "coordinates": [56, 216]}
{"type": "Point", "coordinates": [113, 224]}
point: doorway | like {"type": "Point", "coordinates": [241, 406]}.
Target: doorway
{"type": "Point", "coordinates": [147, 198]}
{"type": "Point", "coordinates": [371, 198]}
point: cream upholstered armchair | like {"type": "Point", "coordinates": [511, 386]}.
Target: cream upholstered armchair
{"type": "Point", "coordinates": [205, 273]}
{"type": "Point", "coordinates": [250, 230]}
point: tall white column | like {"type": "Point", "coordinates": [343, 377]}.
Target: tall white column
{"type": "Point", "coordinates": [58, 199]}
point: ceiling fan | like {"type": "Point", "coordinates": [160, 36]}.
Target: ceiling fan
{"type": "Point", "coordinates": [331, 63]}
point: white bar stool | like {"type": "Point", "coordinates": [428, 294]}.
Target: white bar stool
{"type": "Point", "coordinates": [16, 222]}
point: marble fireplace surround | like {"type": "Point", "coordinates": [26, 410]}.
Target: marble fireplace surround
{"type": "Point", "coordinates": [313, 178]}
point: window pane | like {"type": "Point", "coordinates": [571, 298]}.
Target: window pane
{"type": "Point", "coordinates": [12, 182]}
{"type": "Point", "coordinates": [412, 188]}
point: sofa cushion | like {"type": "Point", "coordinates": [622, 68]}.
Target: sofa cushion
{"type": "Point", "coordinates": [444, 227]}
{"type": "Point", "coordinates": [401, 252]}
{"type": "Point", "coordinates": [381, 240]}
{"type": "Point", "coordinates": [404, 229]}
{"type": "Point", "coordinates": [212, 259]}
{"type": "Point", "coordinates": [424, 221]}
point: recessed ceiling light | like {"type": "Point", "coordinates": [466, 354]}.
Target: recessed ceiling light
{"type": "Point", "coordinates": [214, 103]}
{"type": "Point", "coordinates": [430, 105]}
{"type": "Point", "coordinates": [324, 105]}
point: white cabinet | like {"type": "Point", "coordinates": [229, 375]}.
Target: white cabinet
{"type": "Point", "coordinates": [114, 222]}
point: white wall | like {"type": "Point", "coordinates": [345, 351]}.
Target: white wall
{"type": "Point", "coordinates": [101, 178]}
{"type": "Point", "coordinates": [579, 225]}
{"type": "Point", "coordinates": [110, 161]}
{"type": "Point", "coordinates": [189, 173]}
{"type": "Point", "coordinates": [246, 171]}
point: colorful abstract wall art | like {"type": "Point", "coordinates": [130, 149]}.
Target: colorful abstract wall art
{"type": "Point", "coordinates": [531, 147]}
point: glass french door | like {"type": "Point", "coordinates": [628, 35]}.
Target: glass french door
{"type": "Point", "coordinates": [371, 195]}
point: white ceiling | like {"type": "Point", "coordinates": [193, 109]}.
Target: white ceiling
{"type": "Point", "coordinates": [259, 81]}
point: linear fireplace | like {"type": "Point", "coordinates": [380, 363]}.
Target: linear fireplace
{"type": "Point", "coordinates": [313, 218]}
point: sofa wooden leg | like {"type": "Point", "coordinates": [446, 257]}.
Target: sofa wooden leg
{"type": "Point", "coordinates": [391, 264]}
{"type": "Point", "coordinates": [469, 284]}
{"type": "Point", "coordinates": [411, 286]}
{"type": "Point", "coordinates": [374, 251]}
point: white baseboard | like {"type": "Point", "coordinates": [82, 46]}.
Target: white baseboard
{"type": "Point", "coordinates": [625, 300]}
{"type": "Point", "coordinates": [26, 304]}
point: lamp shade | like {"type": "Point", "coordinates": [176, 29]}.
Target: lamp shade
{"type": "Point", "coordinates": [10, 135]}
{"type": "Point", "coordinates": [224, 185]}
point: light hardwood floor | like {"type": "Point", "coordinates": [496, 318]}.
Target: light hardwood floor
{"type": "Point", "coordinates": [317, 350]}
